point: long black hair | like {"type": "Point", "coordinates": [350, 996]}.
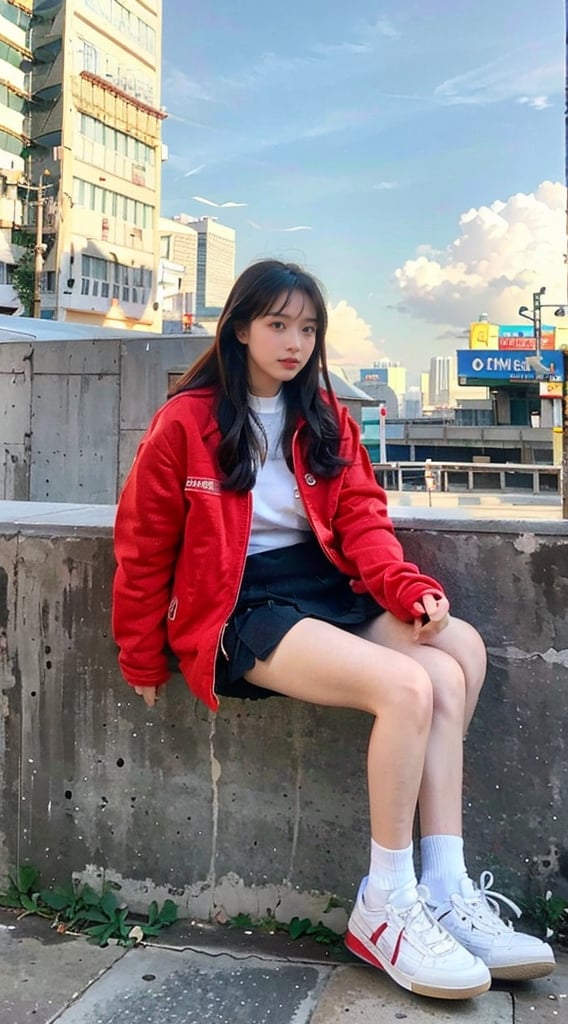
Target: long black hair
{"type": "Point", "coordinates": [224, 367]}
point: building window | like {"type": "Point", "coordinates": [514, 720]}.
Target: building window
{"type": "Point", "coordinates": [90, 57]}
{"type": "Point", "coordinates": [14, 14]}
{"type": "Point", "coordinates": [103, 200]}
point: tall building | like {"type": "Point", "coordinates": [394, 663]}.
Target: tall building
{"type": "Point", "coordinates": [412, 404]}
{"type": "Point", "coordinates": [178, 273]}
{"type": "Point", "coordinates": [14, 65]}
{"type": "Point", "coordinates": [96, 155]}
{"type": "Point", "coordinates": [443, 382]}
{"type": "Point", "coordinates": [215, 264]}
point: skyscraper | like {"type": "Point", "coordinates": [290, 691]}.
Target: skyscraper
{"type": "Point", "coordinates": [215, 264]}
{"type": "Point", "coordinates": [443, 381]}
{"type": "Point", "coordinates": [96, 132]}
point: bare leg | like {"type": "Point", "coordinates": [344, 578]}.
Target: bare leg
{"type": "Point", "coordinates": [455, 661]}
{"type": "Point", "coordinates": [321, 664]}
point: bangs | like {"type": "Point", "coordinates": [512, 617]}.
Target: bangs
{"type": "Point", "coordinates": [275, 307]}
{"type": "Point", "coordinates": [272, 291]}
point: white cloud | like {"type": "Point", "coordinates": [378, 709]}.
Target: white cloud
{"type": "Point", "coordinates": [511, 77]}
{"type": "Point", "coordinates": [349, 341]}
{"type": "Point", "coordinates": [537, 102]}
{"type": "Point", "coordinates": [385, 186]}
{"type": "Point", "coordinates": [180, 86]}
{"type": "Point", "coordinates": [502, 254]}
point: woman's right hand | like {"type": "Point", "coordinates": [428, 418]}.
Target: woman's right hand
{"type": "Point", "coordinates": [148, 693]}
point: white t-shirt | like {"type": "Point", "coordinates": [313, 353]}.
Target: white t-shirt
{"type": "Point", "coordinates": [278, 516]}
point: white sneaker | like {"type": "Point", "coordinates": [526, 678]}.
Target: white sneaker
{"type": "Point", "coordinates": [407, 942]}
{"type": "Point", "coordinates": [472, 915]}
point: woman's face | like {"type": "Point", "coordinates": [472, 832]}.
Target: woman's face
{"type": "Point", "coordinates": [280, 343]}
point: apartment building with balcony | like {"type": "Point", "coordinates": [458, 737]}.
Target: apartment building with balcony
{"type": "Point", "coordinates": [96, 130]}
{"type": "Point", "coordinates": [15, 16]}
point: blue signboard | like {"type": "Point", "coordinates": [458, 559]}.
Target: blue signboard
{"type": "Point", "coordinates": [379, 374]}
{"type": "Point", "coordinates": [481, 366]}
{"type": "Point", "coordinates": [519, 330]}
{"type": "Point", "coordinates": [516, 330]}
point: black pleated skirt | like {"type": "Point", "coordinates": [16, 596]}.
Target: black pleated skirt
{"type": "Point", "coordinates": [280, 587]}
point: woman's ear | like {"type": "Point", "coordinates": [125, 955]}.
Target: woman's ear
{"type": "Point", "coordinates": [241, 333]}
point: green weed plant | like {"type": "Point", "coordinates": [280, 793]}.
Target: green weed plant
{"type": "Point", "coordinates": [79, 908]}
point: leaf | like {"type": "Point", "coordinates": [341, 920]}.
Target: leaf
{"type": "Point", "coordinates": [29, 904]}
{"type": "Point", "coordinates": [11, 898]}
{"type": "Point", "coordinates": [67, 891]}
{"type": "Point", "coordinates": [298, 927]}
{"type": "Point", "coordinates": [26, 878]}
{"type": "Point", "coordinates": [55, 900]}
{"type": "Point", "coordinates": [96, 929]}
{"type": "Point", "coordinates": [95, 915]}
{"type": "Point", "coordinates": [168, 912]}
{"type": "Point", "coordinates": [240, 921]}
{"type": "Point", "coordinates": [89, 897]}
{"type": "Point", "coordinates": [153, 912]}
{"type": "Point", "coordinates": [107, 934]}
{"type": "Point", "coordinates": [150, 929]}
{"type": "Point", "coordinates": [108, 903]}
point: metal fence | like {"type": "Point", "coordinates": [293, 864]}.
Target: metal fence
{"type": "Point", "coordinates": [468, 476]}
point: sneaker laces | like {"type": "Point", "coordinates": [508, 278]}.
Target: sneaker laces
{"type": "Point", "coordinates": [485, 902]}
{"type": "Point", "coordinates": [420, 924]}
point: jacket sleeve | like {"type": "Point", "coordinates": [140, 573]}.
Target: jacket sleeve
{"type": "Point", "coordinates": [365, 535]}
{"type": "Point", "coordinates": [149, 528]}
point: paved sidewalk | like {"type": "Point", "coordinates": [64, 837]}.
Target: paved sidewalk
{"type": "Point", "coordinates": [202, 974]}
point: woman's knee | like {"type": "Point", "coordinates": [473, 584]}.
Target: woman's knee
{"type": "Point", "coordinates": [449, 688]}
{"type": "Point", "coordinates": [472, 659]}
{"type": "Point", "coordinates": [411, 694]}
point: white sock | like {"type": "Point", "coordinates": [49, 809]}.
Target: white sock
{"type": "Point", "coordinates": [443, 865]}
{"type": "Point", "coordinates": [389, 870]}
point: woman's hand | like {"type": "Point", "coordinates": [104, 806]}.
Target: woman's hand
{"type": "Point", "coordinates": [148, 693]}
{"type": "Point", "coordinates": [432, 617]}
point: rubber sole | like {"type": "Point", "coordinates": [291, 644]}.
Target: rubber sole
{"type": "Point", "coordinates": [522, 972]}
{"type": "Point", "coordinates": [355, 946]}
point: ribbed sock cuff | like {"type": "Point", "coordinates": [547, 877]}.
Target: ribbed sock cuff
{"type": "Point", "coordinates": [389, 870]}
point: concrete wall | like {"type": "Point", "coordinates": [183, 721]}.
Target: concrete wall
{"type": "Point", "coordinates": [263, 806]}
{"type": "Point", "coordinates": [72, 413]}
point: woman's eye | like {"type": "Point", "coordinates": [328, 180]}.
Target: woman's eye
{"type": "Point", "coordinates": [277, 323]}
{"type": "Point", "coordinates": [309, 330]}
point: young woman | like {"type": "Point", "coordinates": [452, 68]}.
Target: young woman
{"type": "Point", "coordinates": [253, 540]}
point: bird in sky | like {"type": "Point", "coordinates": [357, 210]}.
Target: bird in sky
{"type": "Point", "coordinates": [209, 202]}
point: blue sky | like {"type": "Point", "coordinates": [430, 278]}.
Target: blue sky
{"type": "Point", "coordinates": [396, 136]}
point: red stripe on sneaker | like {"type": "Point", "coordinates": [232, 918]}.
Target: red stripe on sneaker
{"type": "Point", "coordinates": [394, 956]}
{"type": "Point", "coordinates": [356, 946]}
{"type": "Point", "coordinates": [377, 934]}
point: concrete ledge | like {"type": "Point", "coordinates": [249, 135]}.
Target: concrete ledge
{"type": "Point", "coordinates": [262, 808]}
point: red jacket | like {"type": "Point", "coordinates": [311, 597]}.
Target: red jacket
{"type": "Point", "coordinates": [181, 543]}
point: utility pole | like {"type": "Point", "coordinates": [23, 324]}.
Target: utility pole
{"type": "Point", "coordinates": [560, 421]}
{"type": "Point", "coordinates": [537, 320]}
{"type": "Point", "coordinates": [38, 248]}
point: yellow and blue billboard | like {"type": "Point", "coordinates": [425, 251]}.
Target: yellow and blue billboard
{"type": "Point", "coordinates": [509, 336]}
